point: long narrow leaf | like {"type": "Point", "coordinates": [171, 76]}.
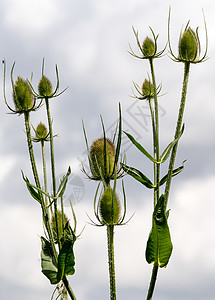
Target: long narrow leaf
{"type": "Point", "coordinates": [174, 173]}
{"type": "Point", "coordinates": [168, 149]}
{"type": "Point", "coordinates": [159, 245]}
{"type": "Point", "coordinates": [119, 138]}
{"type": "Point", "coordinates": [62, 186]}
{"type": "Point", "coordinates": [31, 190]}
{"type": "Point", "coordinates": [140, 147]}
{"type": "Point", "coordinates": [139, 176]}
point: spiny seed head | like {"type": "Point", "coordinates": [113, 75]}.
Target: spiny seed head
{"type": "Point", "coordinates": [188, 45]}
{"type": "Point", "coordinates": [45, 87]}
{"type": "Point", "coordinates": [147, 89]}
{"type": "Point", "coordinates": [61, 224]}
{"type": "Point", "coordinates": [148, 47]}
{"type": "Point", "coordinates": [22, 95]}
{"type": "Point", "coordinates": [97, 158]}
{"type": "Point", "coordinates": [109, 207]}
{"type": "Point", "coordinates": [41, 131]}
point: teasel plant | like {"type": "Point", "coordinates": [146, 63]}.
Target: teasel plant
{"type": "Point", "coordinates": [57, 254]}
{"type": "Point", "coordinates": [104, 165]}
{"type": "Point", "coordinates": [159, 246]}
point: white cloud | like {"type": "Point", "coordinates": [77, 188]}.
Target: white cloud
{"type": "Point", "coordinates": [6, 163]}
{"type": "Point", "coordinates": [30, 17]}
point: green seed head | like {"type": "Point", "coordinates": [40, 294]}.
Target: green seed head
{"type": "Point", "coordinates": [41, 131]}
{"type": "Point", "coordinates": [147, 89]}
{"type": "Point", "coordinates": [148, 47]}
{"type": "Point", "coordinates": [109, 207]}
{"type": "Point", "coordinates": [97, 158]}
{"type": "Point", "coordinates": [61, 223]}
{"type": "Point", "coordinates": [22, 95]}
{"type": "Point", "coordinates": [188, 46]}
{"type": "Point", "coordinates": [45, 87]}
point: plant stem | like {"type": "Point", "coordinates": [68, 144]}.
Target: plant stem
{"type": "Point", "coordinates": [52, 165]}
{"type": "Point", "coordinates": [36, 178]}
{"type": "Point", "coordinates": [65, 281]}
{"type": "Point", "coordinates": [154, 146]}
{"type": "Point", "coordinates": [51, 146]}
{"type": "Point", "coordinates": [44, 170]}
{"type": "Point", "coordinates": [155, 135]}
{"type": "Point", "coordinates": [69, 289]}
{"type": "Point", "coordinates": [110, 237]}
{"type": "Point", "coordinates": [177, 131]}
{"type": "Point", "coordinates": [152, 282]}
{"type": "Point", "coordinates": [155, 127]}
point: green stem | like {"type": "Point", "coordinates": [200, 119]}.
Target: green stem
{"type": "Point", "coordinates": [110, 237]}
{"type": "Point", "coordinates": [52, 165]}
{"type": "Point", "coordinates": [44, 171]}
{"type": "Point", "coordinates": [156, 137]}
{"type": "Point", "coordinates": [65, 281]}
{"type": "Point", "coordinates": [46, 219]}
{"type": "Point", "coordinates": [155, 127]}
{"type": "Point", "coordinates": [152, 282]}
{"type": "Point", "coordinates": [69, 289]}
{"type": "Point", "coordinates": [51, 146]}
{"type": "Point", "coordinates": [177, 131]}
{"type": "Point", "coordinates": [154, 146]}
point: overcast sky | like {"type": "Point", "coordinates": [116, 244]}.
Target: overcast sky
{"type": "Point", "coordinates": [89, 41]}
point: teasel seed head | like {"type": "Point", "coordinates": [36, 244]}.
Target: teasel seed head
{"type": "Point", "coordinates": [109, 207]}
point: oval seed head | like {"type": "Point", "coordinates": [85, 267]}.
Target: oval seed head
{"type": "Point", "coordinates": [147, 89]}
{"type": "Point", "coordinates": [45, 87]}
{"type": "Point", "coordinates": [148, 47]}
{"type": "Point", "coordinates": [41, 131]}
{"type": "Point", "coordinates": [188, 45]}
{"type": "Point", "coordinates": [97, 159]}
{"type": "Point", "coordinates": [109, 207]}
{"type": "Point", "coordinates": [22, 95]}
{"type": "Point", "coordinates": [61, 225]}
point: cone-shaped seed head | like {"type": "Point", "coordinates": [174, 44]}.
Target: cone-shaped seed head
{"type": "Point", "coordinates": [61, 224]}
{"type": "Point", "coordinates": [22, 95]}
{"type": "Point", "coordinates": [45, 87]}
{"type": "Point", "coordinates": [147, 89]}
{"type": "Point", "coordinates": [98, 160]}
{"type": "Point", "coordinates": [148, 47]}
{"type": "Point", "coordinates": [41, 131]}
{"type": "Point", "coordinates": [109, 207]}
{"type": "Point", "coordinates": [188, 45]}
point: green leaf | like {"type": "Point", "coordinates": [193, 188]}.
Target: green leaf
{"type": "Point", "coordinates": [31, 190]}
{"type": "Point", "coordinates": [48, 267]}
{"type": "Point", "coordinates": [168, 149]}
{"type": "Point", "coordinates": [119, 138]}
{"type": "Point", "coordinates": [66, 258]}
{"type": "Point", "coordinates": [139, 176]}
{"type": "Point", "coordinates": [159, 245]}
{"type": "Point", "coordinates": [35, 187]}
{"type": "Point", "coordinates": [62, 186]}
{"type": "Point", "coordinates": [140, 147]}
{"type": "Point", "coordinates": [174, 173]}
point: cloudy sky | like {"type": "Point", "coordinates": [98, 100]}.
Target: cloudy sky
{"type": "Point", "coordinates": [88, 40]}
